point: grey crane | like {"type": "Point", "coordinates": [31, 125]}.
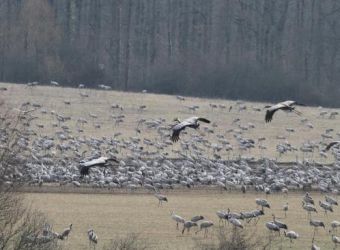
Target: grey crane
{"type": "Point", "coordinates": [273, 227]}
{"type": "Point", "coordinates": [187, 225]}
{"type": "Point", "coordinates": [285, 208]}
{"type": "Point", "coordinates": [291, 235]}
{"type": "Point", "coordinates": [161, 198]}
{"type": "Point", "coordinates": [279, 223]}
{"type": "Point", "coordinates": [222, 215]}
{"type": "Point", "coordinates": [263, 203]}
{"type": "Point", "coordinates": [177, 218]}
{"type": "Point", "coordinates": [286, 106]}
{"type": "Point", "coordinates": [192, 122]}
{"type": "Point", "coordinates": [335, 224]}
{"type": "Point", "coordinates": [99, 162]}
{"type": "Point", "coordinates": [234, 215]}
{"type": "Point", "coordinates": [309, 208]}
{"type": "Point", "coordinates": [316, 224]}
{"type": "Point", "coordinates": [308, 199]}
{"type": "Point", "coordinates": [331, 200]}
{"type": "Point", "coordinates": [315, 247]}
{"type": "Point", "coordinates": [336, 241]}
{"type": "Point", "coordinates": [93, 238]}
{"type": "Point", "coordinates": [66, 233]}
{"type": "Point", "coordinates": [205, 225]}
{"type": "Point", "coordinates": [197, 218]}
{"type": "Point", "coordinates": [236, 223]}
{"type": "Point", "coordinates": [326, 206]}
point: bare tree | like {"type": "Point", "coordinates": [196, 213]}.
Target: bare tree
{"type": "Point", "coordinates": [263, 50]}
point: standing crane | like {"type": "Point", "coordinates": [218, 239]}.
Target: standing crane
{"type": "Point", "coordinates": [66, 233]}
{"type": "Point", "coordinates": [93, 238]}
{"type": "Point", "coordinates": [161, 198]}
{"type": "Point", "coordinates": [177, 218]}
{"type": "Point", "coordinates": [291, 235]}
{"type": "Point", "coordinates": [205, 225]}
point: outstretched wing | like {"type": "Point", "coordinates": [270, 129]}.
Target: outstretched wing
{"type": "Point", "coordinates": [331, 145]}
{"type": "Point", "coordinates": [176, 130]}
{"type": "Point", "coordinates": [84, 170]}
{"type": "Point", "coordinates": [203, 120]}
{"type": "Point", "coordinates": [269, 115]}
{"type": "Point", "coordinates": [100, 160]}
{"type": "Point", "coordinates": [271, 110]}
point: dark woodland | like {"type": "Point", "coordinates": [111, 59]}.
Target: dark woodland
{"type": "Point", "coordinates": [263, 50]}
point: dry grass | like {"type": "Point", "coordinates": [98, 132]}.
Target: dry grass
{"type": "Point", "coordinates": [117, 215]}
{"type": "Point", "coordinates": [114, 216]}
{"type": "Point", "coordinates": [168, 107]}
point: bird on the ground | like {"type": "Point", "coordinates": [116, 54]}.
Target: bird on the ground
{"type": "Point", "coordinates": [177, 218]}
{"type": "Point", "coordinates": [285, 208]}
{"type": "Point", "coordinates": [205, 225]}
{"type": "Point", "coordinates": [326, 206]}
{"type": "Point", "coordinates": [291, 235]}
{"type": "Point", "coordinates": [161, 198]}
{"type": "Point", "coordinates": [263, 203]}
{"type": "Point", "coordinates": [66, 233]}
{"type": "Point", "coordinates": [336, 240]}
{"type": "Point", "coordinates": [309, 208]}
{"type": "Point", "coordinates": [316, 224]}
{"type": "Point", "coordinates": [197, 218]}
{"type": "Point", "coordinates": [235, 222]}
{"type": "Point", "coordinates": [308, 199]}
{"type": "Point", "coordinates": [272, 227]}
{"type": "Point", "coordinates": [93, 238]}
{"type": "Point", "coordinates": [187, 225]}
{"type": "Point", "coordinates": [315, 247]}
{"type": "Point", "coordinates": [331, 200]}
{"type": "Point", "coordinates": [335, 224]}
{"type": "Point", "coordinates": [279, 223]}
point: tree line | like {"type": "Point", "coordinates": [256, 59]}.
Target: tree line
{"type": "Point", "coordinates": [240, 49]}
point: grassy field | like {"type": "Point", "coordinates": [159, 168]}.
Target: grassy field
{"type": "Point", "coordinates": [116, 215]}
{"type": "Point", "coordinates": [168, 107]}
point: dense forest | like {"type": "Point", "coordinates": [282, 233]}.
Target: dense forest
{"type": "Point", "coordinates": [241, 49]}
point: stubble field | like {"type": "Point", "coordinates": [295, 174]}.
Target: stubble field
{"type": "Point", "coordinates": [116, 215]}
{"type": "Point", "coordinates": [99, 102]}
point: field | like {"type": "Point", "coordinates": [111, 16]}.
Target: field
{"type": "Point", "coordinates": [116, 215]}
{"type": "Point", "coordinates": [168, 107]}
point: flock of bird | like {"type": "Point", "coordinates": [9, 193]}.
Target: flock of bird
{"type": "Point", "coordinates": [47, 234]}
{"type": "Point", "coordinates": [78, 161]}
{"type": "Point", "coordinates": [236, 220]}
{"type": "Point", "coordinates": [243, 219]}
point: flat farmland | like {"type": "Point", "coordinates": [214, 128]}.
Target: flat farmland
{"type": "Point", "coordinates": [143, 121]}
{"type": "Point", "coordinates": [116, 215]}
{"type": "Point", "coordinates": [72, 103]}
